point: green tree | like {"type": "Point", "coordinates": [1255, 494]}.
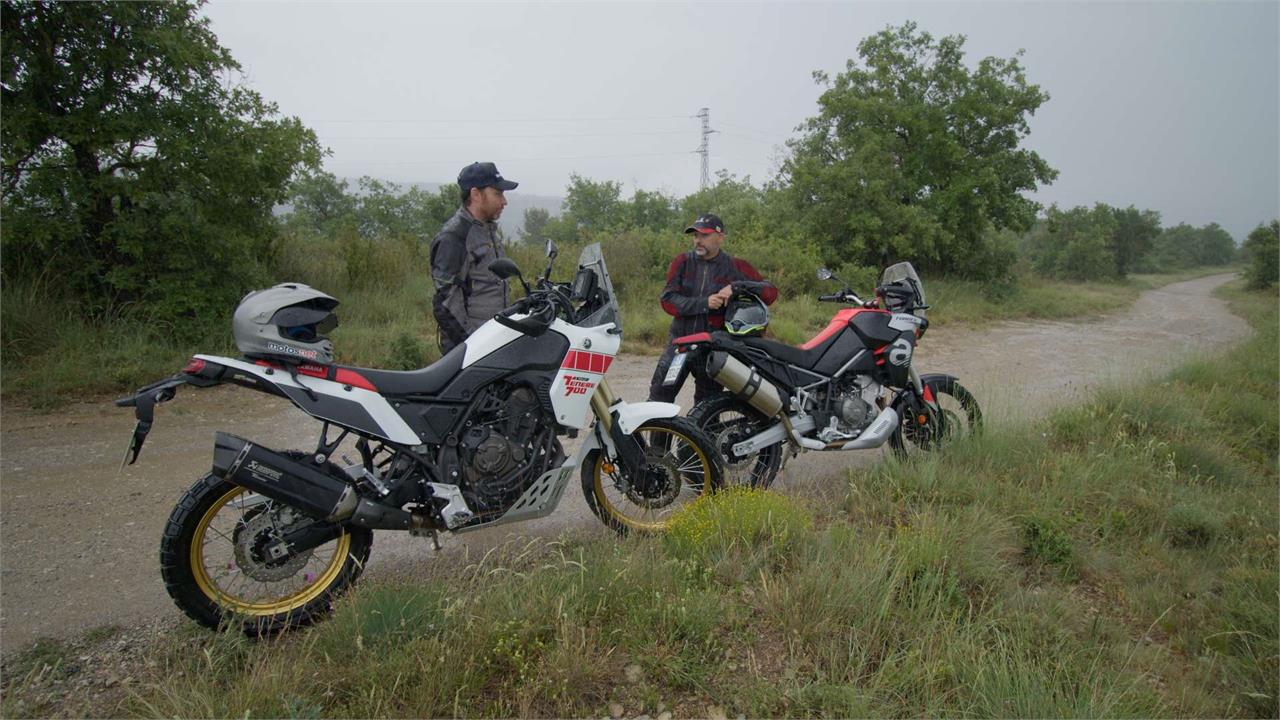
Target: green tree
{"type": "Point", "coordinates": [131, 168]}
{"type": "Point", "coordinates": [319, 201]}
{"type": "Point", "coordinates": [1262, 248]}
{"type": "Point", "coordinates": [1184, 246]}
{"type": "Point", "coordinates": [1216, 246]}
{"type": "Point", "coordinates": [739, 203]}
{"type": "Point", "coordinates": [1075, 244]}
{"type": "Point", "coordinates": [1134, 235]}
{"type": "Point", "coordinates": [534, 229]}
{"type": "Point", "coordinates": [915, 152]}
{"type": "Point", "coordinates": [594, 205]}
{"type": "Point", "coordinates": [652, 210]}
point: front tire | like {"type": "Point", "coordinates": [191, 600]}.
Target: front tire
{"type": "Point", "coordinates": [727, 421]}
{"type": "Point", "coordinates": [681, 465]}
{"type": "Point", "coordinates": [215, 568]}
{"type": "Point", "coordinates": [958, 416]}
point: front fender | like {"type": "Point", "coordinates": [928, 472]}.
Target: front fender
{"type": "Point", "coordinates": [632, 415]}
{"type": "Point", "coordinates": [927, 383]}
{"type": "Point", "coordinates": [938, 378]}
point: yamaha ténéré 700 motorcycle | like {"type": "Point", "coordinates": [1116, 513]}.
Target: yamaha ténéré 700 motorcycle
{"type": "Point", "coordinates": [851, 387]}
{"type": "Point", "coordinates": [267, 539]}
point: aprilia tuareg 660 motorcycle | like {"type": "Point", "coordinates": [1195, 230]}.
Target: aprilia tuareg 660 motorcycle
{"type": "Point", "coordinates": [852, 387]}
{"type": "Point", "coordinates": [268, 538]}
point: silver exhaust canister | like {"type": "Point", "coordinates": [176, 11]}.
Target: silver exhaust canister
{"type": "Point", "coordinates": [745, 383]}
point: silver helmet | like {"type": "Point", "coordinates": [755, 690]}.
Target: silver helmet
{"type": "Point", "coordinates": [286, 322]}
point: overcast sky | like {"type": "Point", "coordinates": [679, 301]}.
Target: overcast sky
{"type": "Point", "coordinates": [1168, 106]}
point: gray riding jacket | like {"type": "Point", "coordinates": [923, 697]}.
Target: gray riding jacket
{"type": "Point", "coordinates": [467, 293]}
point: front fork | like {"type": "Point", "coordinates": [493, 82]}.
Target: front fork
{"type": "Point", "coordinates": [601, 401]}
{"type": "Point", "coordinates": [628, 450]}
{"type": "Point", "coordinates": [922, 409]}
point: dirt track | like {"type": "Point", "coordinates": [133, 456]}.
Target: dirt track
{"type": "Point", "coordinates": [79, 537]}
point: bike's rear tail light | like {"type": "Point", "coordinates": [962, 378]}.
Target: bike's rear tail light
{"type": "Point", "coordinates": [194, 366]}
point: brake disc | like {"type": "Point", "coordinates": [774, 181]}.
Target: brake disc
{"type": "Point", "coordinates": [252, 537]}
{"type": "Point", "coordinates": [657, 460]}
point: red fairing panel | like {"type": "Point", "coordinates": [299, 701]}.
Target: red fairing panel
{"type": "Point", "coordinates": [838, 323]}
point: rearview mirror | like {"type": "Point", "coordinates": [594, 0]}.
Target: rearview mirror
{"type": "Point", "coordinates": [551, 248]}
{"type": "Point", "coordinates": [824, 274]}
{"type": "Point", "coordinates": [504, 268]}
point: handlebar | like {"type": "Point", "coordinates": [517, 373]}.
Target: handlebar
{"type": "Point", "coordinates": [847, 296]}
{"type": "Point", "coordinates": [541, 308]}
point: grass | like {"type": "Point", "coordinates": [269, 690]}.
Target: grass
{"type": "Point", "coordinates": [1117, 559]}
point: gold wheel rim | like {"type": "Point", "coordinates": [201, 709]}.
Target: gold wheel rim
{"type": "Point", "coordinates": [657, 524]}
{"type": "Point", "coordinates": [244, 606]}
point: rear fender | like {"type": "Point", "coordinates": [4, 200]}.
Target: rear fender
{"type": "Point", "coordinates": [198, 372]}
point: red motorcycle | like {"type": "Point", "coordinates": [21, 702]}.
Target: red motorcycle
{"type": "Point", "coordinates": [852, 387]}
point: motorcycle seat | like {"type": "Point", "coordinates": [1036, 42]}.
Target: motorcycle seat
{"type": "Point", "coordinates": [801, 357]}
{"type": "Point", "coordinates": [426, 381]}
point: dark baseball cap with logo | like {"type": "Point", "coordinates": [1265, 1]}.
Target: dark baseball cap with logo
{"type": "Point", "coordinates": [706, 224]}
{"type": "Point", "coordinates": [483, 175]}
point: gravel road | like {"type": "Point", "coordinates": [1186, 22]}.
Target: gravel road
{"type": "Point", "coordinates": [79, 536]}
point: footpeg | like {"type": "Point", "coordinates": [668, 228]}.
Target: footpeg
{"type": "Point", "coordinates": [455, 512]}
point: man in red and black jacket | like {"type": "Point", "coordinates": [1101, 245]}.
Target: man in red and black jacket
{"type": "Point", "coordinates": [699, 285]}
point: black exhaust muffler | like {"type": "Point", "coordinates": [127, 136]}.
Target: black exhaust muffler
{"type": "Point", "coordinates": [299, 485]}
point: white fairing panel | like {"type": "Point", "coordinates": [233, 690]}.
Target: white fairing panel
{"type": "Point", "coordinates": [392, 426]}
{"type": "Point", "coordinates": [633, 415]}
{"type": "Point", "coordinates": [488, 338]}
{"type": "Point", "coordinates": [591, 352]}
{"type": "Point", "coordinates": [904, 321]}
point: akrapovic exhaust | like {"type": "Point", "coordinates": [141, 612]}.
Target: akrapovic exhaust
{"type": "Point", "coordinates": [745, 383]}
{"type": "Point", "coordinates": [299, 485]}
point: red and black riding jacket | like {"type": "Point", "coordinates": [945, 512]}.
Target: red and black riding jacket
{"type": "Point", "coordinates": [691, 280]}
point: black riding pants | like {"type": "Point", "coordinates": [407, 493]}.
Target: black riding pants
{"type": "Point", "coordinates": [703, 386]}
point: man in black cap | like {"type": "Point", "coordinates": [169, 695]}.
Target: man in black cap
{"type": "Point", "coordinates": [467, 293]}
{"type": "Point", "coordinates": [699, 285]}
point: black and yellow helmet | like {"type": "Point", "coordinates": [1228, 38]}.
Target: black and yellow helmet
{"type": "Point", "coordinates": [746, 315]}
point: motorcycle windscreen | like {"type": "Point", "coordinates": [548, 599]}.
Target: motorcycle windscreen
{"type": "Point", "coordinates": [904, 272]}
{"type": "Point", "coordinates": [592, 259]}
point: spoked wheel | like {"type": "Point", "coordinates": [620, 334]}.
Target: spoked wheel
{"type": "Point", "coordinates": [223, 562]}
{"type": "Point", "coordinates": [680, 464]}
{"type": "Point", "coordinates": [728, 421]}
{"type": "Point", "coordinates": [957, 416]}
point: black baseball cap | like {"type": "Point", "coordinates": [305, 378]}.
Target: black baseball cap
{"type": "Point", "coordinates": [482, 175]}
{"type": "Point", "coordinates": [706, 224]}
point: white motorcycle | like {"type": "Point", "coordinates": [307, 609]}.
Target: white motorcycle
{"type": "Point", "coordinates": [268, 538]}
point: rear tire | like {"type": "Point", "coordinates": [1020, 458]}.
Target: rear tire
{"type": "Point", "coordinates": [727, 420]}
{"type": "Point", "coordinates": [212, 567]}
{"type": "Point", "coordinates": [959, 416]}
{"type": "Point", "coordinates": [681, 465]}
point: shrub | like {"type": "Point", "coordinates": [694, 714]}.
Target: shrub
{"type": "Point", "coordinates": [1046, 542]}
{"type": "Point", "coordinates": [1263, 250]}
{"type": "Point", "coordinates": [738, 530]}
{"type": "Point", "coordinates": [1190, 525]}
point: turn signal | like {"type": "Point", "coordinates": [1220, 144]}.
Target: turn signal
{"type": "Point", "coordinates": [922, 419]}
{"type": "Point", "coordinates": [607, 467]}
